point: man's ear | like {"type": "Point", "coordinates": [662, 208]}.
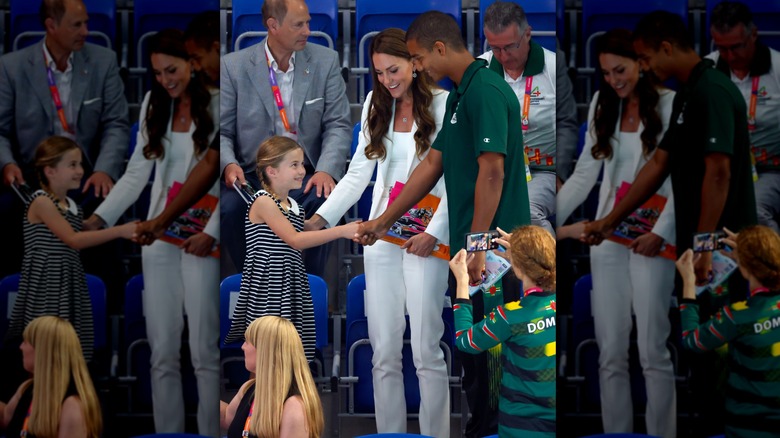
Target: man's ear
{"type": "Point", "coordinates": [440, 48]}
{"type": "Point", "coordinates": [271, 23]}
{"type": "Point", "coordinates": [666, 47]}
{"type": "Point", "coordinates": [49, 24]}
{"type": "Point", "coordinates": [215, 46]}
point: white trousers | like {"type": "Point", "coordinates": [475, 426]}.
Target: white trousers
{"type": "Point", "coordinates": [768, 199]}
{"type": "Point", "coordinates": [396, 281]}
{"type": "Point", "coordinates": [541, 198]}
{"type": "Point", "coordinates": [175, 282]}
{"type": "Point", "coordinates": [624, 282]}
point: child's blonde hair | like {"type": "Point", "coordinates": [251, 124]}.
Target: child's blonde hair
{"type": "Point", "coordinates": [58, 361]}
{"type": "Point", "coordinates": [282, 371]}
{"type": "Point", "coordinates": [533, 252]}
{"type": "Point", "coordinates": [271, 153]}
{"type": "Point", "coordinates": [49, 153]}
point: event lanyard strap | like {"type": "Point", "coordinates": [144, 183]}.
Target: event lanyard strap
{"type": "Point", "coordinates": [277, 95]}
{"type": "Point", "coordinates": [245, 432]}
{"type": "Point", "coordinates": [533, 290]}
{"type": "Point", "coordinates": [524, 121]}
{"type": "Point", "coordinates": [55, 95]}
{"type": "Point", "coordinates": [23, 432]}
{"type": "Point", "coordinates": [753, 103]}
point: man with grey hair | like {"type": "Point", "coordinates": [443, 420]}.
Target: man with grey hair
{"type": "Point", "coordinates": [530, 70]}
{"type": "Point", "coordinates": [755, 69]}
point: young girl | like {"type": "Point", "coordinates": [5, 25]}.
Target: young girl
{"type": "Point", "coordinates": [52, 280]}
{"type": "Point", "coordinates": [274, 281]}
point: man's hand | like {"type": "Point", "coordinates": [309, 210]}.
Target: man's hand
{"type": "Point", "coordinates": [648, 245]}
{"type": "Point", "coordinates": [323, 182]}
{"type": "Point", "coordinates": [199, 244]}
{"type": "Point", "coordinates": [149, 231]}
{"type": "Point", "coordinates": [369, 232]}
{"type": "Point", "coordinates": [233, 171]}
{"type": "Point", "coordinates": [476, 266]}
{"type": "Point", "coordinates": [420, 245]}
{"type": "Point", "coordinates": [102, 183]}
{"type": "Point", "coordinates": [703, 268]}
{"type": "Point", "coordinates": [11, 173]}
{"type": "Point", "coordinates": [596, 231]}
{"type": "Point", "coordinates": [93, 223]}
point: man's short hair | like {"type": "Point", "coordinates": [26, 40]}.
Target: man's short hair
{"type": "Point", "coordinates": [500, 15]}
{"type": "Point", "coordinates": [274, 8]}
{"type": "Point", "coordinates": [726, 15]}
{"type": "Point", "coordinates": [54, 9]}
{"type": "Point", "coordinates": [659, 26]}
{"type": "Point", "coordinates": [434, 26]}
{"type": "Point", "coordinates": [203, 29]}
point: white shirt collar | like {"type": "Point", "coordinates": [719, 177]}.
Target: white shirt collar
{"type": "Point", "coordinates": [50, 60]}
{"type": "Point", "coordinates": [274, 64]}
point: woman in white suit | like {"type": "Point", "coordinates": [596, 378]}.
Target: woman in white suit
{"type": "Point", "coordinates": [179, 117]}
{"type": "Point", "coordinates": [626, 121]}
{"type": "Point", "coordinates": [400, 120]}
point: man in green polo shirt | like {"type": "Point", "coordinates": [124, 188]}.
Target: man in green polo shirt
{"type": "Point", "coordinates": [480, 152]}
{"type": "Point", "coordinates": [707, 152]}
{"type": "Point", "coordinates": [530, 71]}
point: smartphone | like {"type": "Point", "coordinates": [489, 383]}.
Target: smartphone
{"type": "Point", "coordinates": [245, 190]}
{"type": "Point", "coordinates": [23, 191]}
{"type": "Point", "coordinates": [482, 241]}
{"type": "Point", "coordinates": [703, 242]}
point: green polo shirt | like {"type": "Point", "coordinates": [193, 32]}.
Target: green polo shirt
{"type": "Point", "coordinates": [708, 116]}
{"type": "Point", "coordinates": [481, 117]}
{"type": "Point", "coordinates": [539, 138]}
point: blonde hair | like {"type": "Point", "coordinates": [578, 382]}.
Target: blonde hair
{"type": "Point", "coordinates": [533, 253]}
{"type": "Point", "coordinates": [49, 153]}
{"type": "Point", "coordinates": [282, 368]}
{"type": "Point", "coordinates": [58, 361]}
{"type": "Point", "coordinates": [758, 252]}
{"type": "Point", "coordinates": [271, 153]}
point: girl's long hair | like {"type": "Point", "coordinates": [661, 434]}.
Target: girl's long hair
{"type": "Point", "coordinates": [392, 42]}
{"type": "Point", "coordinates": [58, 361]}
{"type": "Point", "coordinates": [283, 371]}
{"type": "Point", "coordinates": [171, 42]}
{"type": "Point", "coordinates": [758, 252]}
{"type": "Point", "coordinates": [533, 252]}
{"type": "Point", "coordinates": [608, 107]}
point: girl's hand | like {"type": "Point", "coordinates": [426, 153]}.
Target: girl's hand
{"type": "Point", "coordinates": [685, 267]}
{"type": "Point", "coordinates": [504, 239]}
{"type": "Point", "coordinates": [572, 231]}
{"type": "Point", "coordinates": [420, 245]}
{"type": "Point", "coordinates": [199, 244]}
{"type": "Point", "coordinates": [127, 231]}
{"type": "Point", "coordinates": [730, 239]}
{"type": "Point", "coordinates": [348, 230]}
{"type": "Point", "coordinates": [459, 266]}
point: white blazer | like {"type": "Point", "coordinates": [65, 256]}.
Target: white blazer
{"type": "Point", "coordinates": [349, 189]}
{"type": "Point", "coordinates": [133, 181]}
{"type": "Point", "coordinates": [586, 172]}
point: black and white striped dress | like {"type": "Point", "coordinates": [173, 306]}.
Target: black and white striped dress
{"type": "Point", "coordinates": [53, 280]}
{"type": "Point", "coordinates": [274, 280]}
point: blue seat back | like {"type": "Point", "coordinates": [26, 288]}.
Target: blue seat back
{"type": "Point", "coordinates": [97, 295]}
{"type": "Point", "coordinates": [766, 17]}
{"type": "Point", "coordinates": [542, 16]}
{"type": "Point", "coordinates": [319, 297]}
{"type": "Point", "coordinates": [228, 294]}
{"type": "Point", "coordinates": [247, 18]}
{"type": "Point", "coordinates": [25, 18]}
{"type": "Point", "coordinates": [9, 288]}
{"type": "Point", "coordinates": [135, 324]}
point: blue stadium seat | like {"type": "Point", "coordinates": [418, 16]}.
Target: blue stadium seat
{"type": "Point", "coordinates": [249, 29]}
{"type": "Point", "coordinates": [228, 295]}
{"type": "Point", "coordinates": [9, 288]}
{"type": "Point", "coordinates": [542, 15]}
{"type": "Point", "coordinates": [766, 16]}
{"type": "Point", "coordinates": [372, 16]}
{"type": "Point", "coordinates": [319, 297]}
{"type": "Point", "coordinates": [26, 27]}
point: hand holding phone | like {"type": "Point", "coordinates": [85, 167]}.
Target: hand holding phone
{"type": "Point", "coordinates": [482, 241]}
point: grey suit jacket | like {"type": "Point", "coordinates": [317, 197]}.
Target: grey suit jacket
{"type": "Point", "coordinates": [248, 110]}
{"type": "Point", "coordinates": [28, 116]}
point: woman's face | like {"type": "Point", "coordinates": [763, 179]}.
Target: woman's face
{"type": "Point", "coordinates": [621, 73]}
{"type": "Point", "coordinates": [28, 356]}
{"type": "Point", "coordinates": [172, 73]}
{"type": "Point", "coordinates": [249, 357]}
{"type": "Point", "coordinates": [394, 73]}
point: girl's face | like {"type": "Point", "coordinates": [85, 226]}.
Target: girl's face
{"type": "Point", "coordinates": [621, 73]}
{"type": "Point", "coordinates": [28, 356]}
{"type": "Point", "coordinates": [172, 73]}
{"type": "Point", "coordinates": [67, 173]}
{"type": "Point", "coordinates": [394, 73]}
{"type": "Point", "coordinates": [249, 357]}
{"type": "Point", "coordinates": [289, 173]}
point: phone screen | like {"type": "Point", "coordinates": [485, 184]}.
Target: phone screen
{"type": "Point", "coordinates": [482, 241]}
{"type": "Point", "coordinates": [703, 242]}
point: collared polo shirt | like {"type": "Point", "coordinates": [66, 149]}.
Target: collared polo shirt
{"type": "Point", "coordinates": [480, 117]}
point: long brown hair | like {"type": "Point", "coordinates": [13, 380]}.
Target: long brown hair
{"type": "Point", "coordinates": [533, 253]}
{"type": "Point", "coordinates": [271, 153]}
{"type": "Point", "coordinates": [608, 106]}
{"type": "Point", "coordinates": [171, 42]}
{"type": "Point", "coordinates": [758, 252]}
{"type": "Point", "coordinates": [392, 42]}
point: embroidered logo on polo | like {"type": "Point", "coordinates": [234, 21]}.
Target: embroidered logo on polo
{"type": "Point", "coordinates": [763, 96]}
{"type": "Point", "coordinates": [536, 96]}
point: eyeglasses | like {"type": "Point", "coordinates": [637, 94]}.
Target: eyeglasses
{"type": "Point", "coordinates": [732, 48]}
{"type": "Point", "coordinates": [508, 48]}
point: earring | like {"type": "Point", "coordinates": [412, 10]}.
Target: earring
{"type": "Point", "coordinates": [414, 74]}
{"type": "Point", "coordinates": [192, 74]}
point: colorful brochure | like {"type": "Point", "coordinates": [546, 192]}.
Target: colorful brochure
{"type": "Point", "coordinates": [414, 222]}
{"type": "Point", "coordinates": [192, 221]}
{"type": "Point", "coordinates": [641, 221]}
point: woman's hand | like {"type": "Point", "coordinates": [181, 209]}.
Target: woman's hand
{"type": "Point", "coordinates": [199, 244]}
{"type": "Point", "coordinates": [459, 266]}
{"type": "Point", "coordinates": [648, 245]}
{"type": "Point", "coordinates": [420, 245]}
{"type": "Point", "coordinates": [685, 268]}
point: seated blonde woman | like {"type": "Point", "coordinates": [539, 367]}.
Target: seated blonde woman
{"type": "Point", "coordinates": [59, 400]}
{"type": "Point", "coordinates": [282, 400]}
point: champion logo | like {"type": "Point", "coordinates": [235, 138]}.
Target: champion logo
{"type": "Point", "coordinates": [454, 119]}
{"type": "Point", "coordinates": [680, 119]}
{"type": "Point", "coordinates": [713, 140]}
{"type": "Point", "coordinates": [486, 140]}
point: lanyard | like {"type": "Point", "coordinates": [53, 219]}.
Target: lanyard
{"type": "Point", "coordinates": [752, 122]}
{"type": "Point", "coordinates": [525, 122]}
{"type": "Point", "coordinates": [532, 290]}
{"type": "Point", "coordinates": [23, 432]}
{"type": "Point", "coordinates": [759, 290]}
{"type": "Point", "coordinates": [245, 432]}
{"type": "Point", "coordinates": [277, 95]}
{"type": "Point", "coordinates": [55, 95]}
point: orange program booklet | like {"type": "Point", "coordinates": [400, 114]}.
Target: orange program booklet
{"type": "Point", "coordinates": [641, 221]}
{"type": "Point", "coordinates": [415, 221]}
{"type": "Point", "coordinates": [192, 221]}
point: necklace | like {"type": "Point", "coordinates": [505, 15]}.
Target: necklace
{"type": "Point", "coordinates": [404, 119]}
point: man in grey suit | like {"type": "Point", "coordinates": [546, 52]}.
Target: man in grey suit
{"type": "Point", "coordinates": [93, 109]}
{"type": "Point", "coordinates": [314, 99]}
